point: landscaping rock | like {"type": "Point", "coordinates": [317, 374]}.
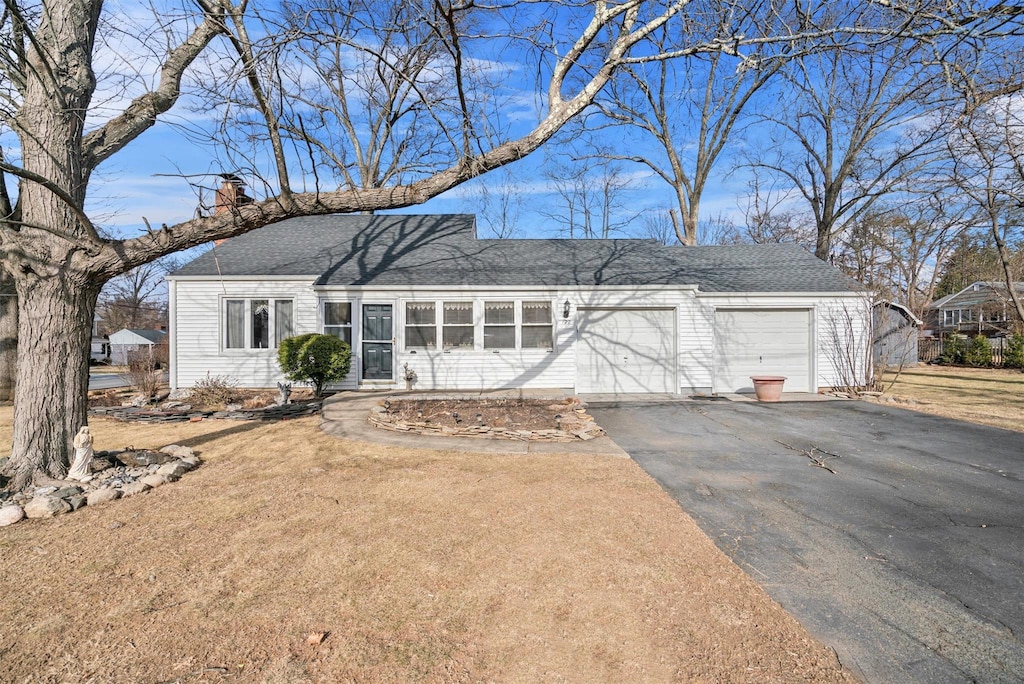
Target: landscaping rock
{"type": "Point", "coordinates": [102, 496]}
{"type": "Point", "coordinates": [67, 492]}
{"type": "Point", "coordinates": [180, 393]}
{"type": "Point", "coordinates": [46, 507]}
{"type": "Point", "coordinates": [10, 514]}
{"type": "Point", "coordinates": [173, 471]}
{"type": "Point", "coordinates": [192, 461]}
{"type": "Point", "coordinates": [177, 451]}
{"type": "Point", "coordinates": [136, 459]}
{"type": "Point", "coordinates": [133, 488]}
{"type": "Point", "coordinates": [154, 480]}
{"type": "Point", "coordinates": [77, 502]}
{"type": "Point", "coordinates": [100, 464]}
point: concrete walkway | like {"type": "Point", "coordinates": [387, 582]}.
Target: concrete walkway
{"type": "Point", "coordinates": [346, 416]}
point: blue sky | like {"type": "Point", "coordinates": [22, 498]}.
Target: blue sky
{"type": "Point", "coordinates": [143, 180]}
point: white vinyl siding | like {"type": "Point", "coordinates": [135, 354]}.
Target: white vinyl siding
{"type": "Point", "coordinates": [840, 328]}
{"type": "Point", "coordinates": [198, 342]}
{"type": "Point", "coordinates": [197, 322]}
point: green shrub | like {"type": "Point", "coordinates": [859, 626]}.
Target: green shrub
{"type": "Point", "coordinates": [1013, 357]}
{"type": "Point", "coordinates": [315, 359]}
{"type": "Point", "coordinates": [979, 352]}
{"type": "Point", "coordinates": [954, 350]}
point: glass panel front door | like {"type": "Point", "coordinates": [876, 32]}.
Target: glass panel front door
{"type": "Point", "coordinates": [378, 332]}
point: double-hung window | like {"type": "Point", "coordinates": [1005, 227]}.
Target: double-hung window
{"type": "Point", "coordinates": [510, 324]}
{"type": "Point", "coordinates": [257, 323]}
{"type": "Point", "coordinates": [457, 330]}
{"type": "Point", "coordinates": [338, 320]}
{"type": "Point", "coordinates": [499, 325]}
{"type": "Point", "coordinates": [537, 325]}
{"type": "Point", "coordinates": [420, 325]}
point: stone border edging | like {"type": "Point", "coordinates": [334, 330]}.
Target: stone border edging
{"type": "Point", "coordinates": [146, 415]}
{"type": "Point", "coordinates": [112, 478]}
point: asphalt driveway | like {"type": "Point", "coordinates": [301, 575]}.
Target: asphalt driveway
{"type": "Point", "coordinates": [908, 559]}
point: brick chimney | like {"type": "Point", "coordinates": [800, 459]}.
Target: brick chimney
{"type": "Point", "coordinates": [230, 195]}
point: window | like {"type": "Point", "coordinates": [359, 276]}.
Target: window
{"type": "Point", "coordinates": [248, 322]}
{"type": "Point", "coordinates": [499, 325]}
{"type": "Point", "coordinates": [284, 323]}
{"type": "Point", "coordinates": [420, 325]}
{"type": "Point", "coordinates": [457, 330]}
{"type": "Point", "coordinates": [235, 324]}
{"type": "Point", "coordinates": [338, 320]}
{"type": "Point", "coordinates": [537, 325]}
{"type": "Point", "coordinates": [504, 325]}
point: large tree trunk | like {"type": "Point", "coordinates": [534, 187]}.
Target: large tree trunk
{"type": "Point", "coordinates": [53, 375]}
{"type": "Point", "coordinates": [56, 292]}
{"type": "Point", "coordinates": [8, 336]}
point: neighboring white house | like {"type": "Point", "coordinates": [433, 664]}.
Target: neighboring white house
{"type": "Point", "coordinates": [423, 294]}
{"type": "Point", "coordinates": [125, 341]}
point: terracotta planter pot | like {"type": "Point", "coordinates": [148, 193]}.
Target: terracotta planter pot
{"type": "Point", "coordinates": [768, 387]}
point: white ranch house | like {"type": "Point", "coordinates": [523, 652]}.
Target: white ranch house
{"type": "Point", "coordinates": [423, 293]}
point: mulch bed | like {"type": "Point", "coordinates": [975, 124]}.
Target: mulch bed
{"type": "Point", "coordinates": [512, 414]}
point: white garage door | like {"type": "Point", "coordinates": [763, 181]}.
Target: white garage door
{"type": "Point", "coordinates": [762, 342]}
{"type": "Point", "coordinates": [626, 350]}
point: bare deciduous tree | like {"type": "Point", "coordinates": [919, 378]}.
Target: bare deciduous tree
{"type": "Point", "coordinates": [137, 298]}
{"type": "Point", "coordinates": [591, 196]}
{"type": "Point", "coordinates": [689, 110]}
{"type": "Point", "coordinates": [986, 165]}
{"type": "Point", "coordinates": [59, 258]}
{"type": "Point", "coordinates": [850, 126]}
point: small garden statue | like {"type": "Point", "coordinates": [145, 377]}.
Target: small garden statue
{"type": "Point", "coordinates": [285, 390]}
{"type": "Point", "coordinates": [410, 376]}
{"type": "Point", "coordinates": [83, 456]}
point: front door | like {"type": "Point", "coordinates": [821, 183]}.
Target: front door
{"type": "Point", "coordinates": [378, 332]}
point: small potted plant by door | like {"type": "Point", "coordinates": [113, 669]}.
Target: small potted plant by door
{"type": "Point", "coordinates": [768, 387]}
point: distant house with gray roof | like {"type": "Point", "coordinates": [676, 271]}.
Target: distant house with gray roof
{"type": "Point", "coordinates": [423, 296]}
{"type": "Point", "coordinates": [981, 307]}
{"type": "Point", "coordinates": [126, 342]}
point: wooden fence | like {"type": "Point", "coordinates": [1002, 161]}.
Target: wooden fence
{"type": "Point", "coordinates": [930, 348]}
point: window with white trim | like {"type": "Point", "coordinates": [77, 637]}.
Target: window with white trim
{"type": "Point", "coordinates": [509, 324]}
{"type": "Point", "coordinates": [420, 325]}
{"type": "Point", "coordinates": [457, 327]}
{"type": "Point", "coordinates": [537, 325]}
{"type": "Point", "coordinates": [338, 320]}
{"type": "Point", "coordinates": [499, 325]}
{"type": "Point", "coordinates": [257, 323]}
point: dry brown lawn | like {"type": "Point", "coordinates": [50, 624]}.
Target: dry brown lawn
{"type": "Point", "coordinates": [420, 565]}
{"type": "Point", "coordinates": [988, 396]}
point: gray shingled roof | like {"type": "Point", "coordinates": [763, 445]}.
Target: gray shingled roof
{"type": "Point", "coordinates": [408, 250]}
{"type": "Point", "coordinates": [977, 293]}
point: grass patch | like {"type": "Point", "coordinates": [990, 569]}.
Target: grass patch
{"type": "Point", "coordinates": [421, 565]}
{"type": "Point", "coordinates": [988, 396]}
